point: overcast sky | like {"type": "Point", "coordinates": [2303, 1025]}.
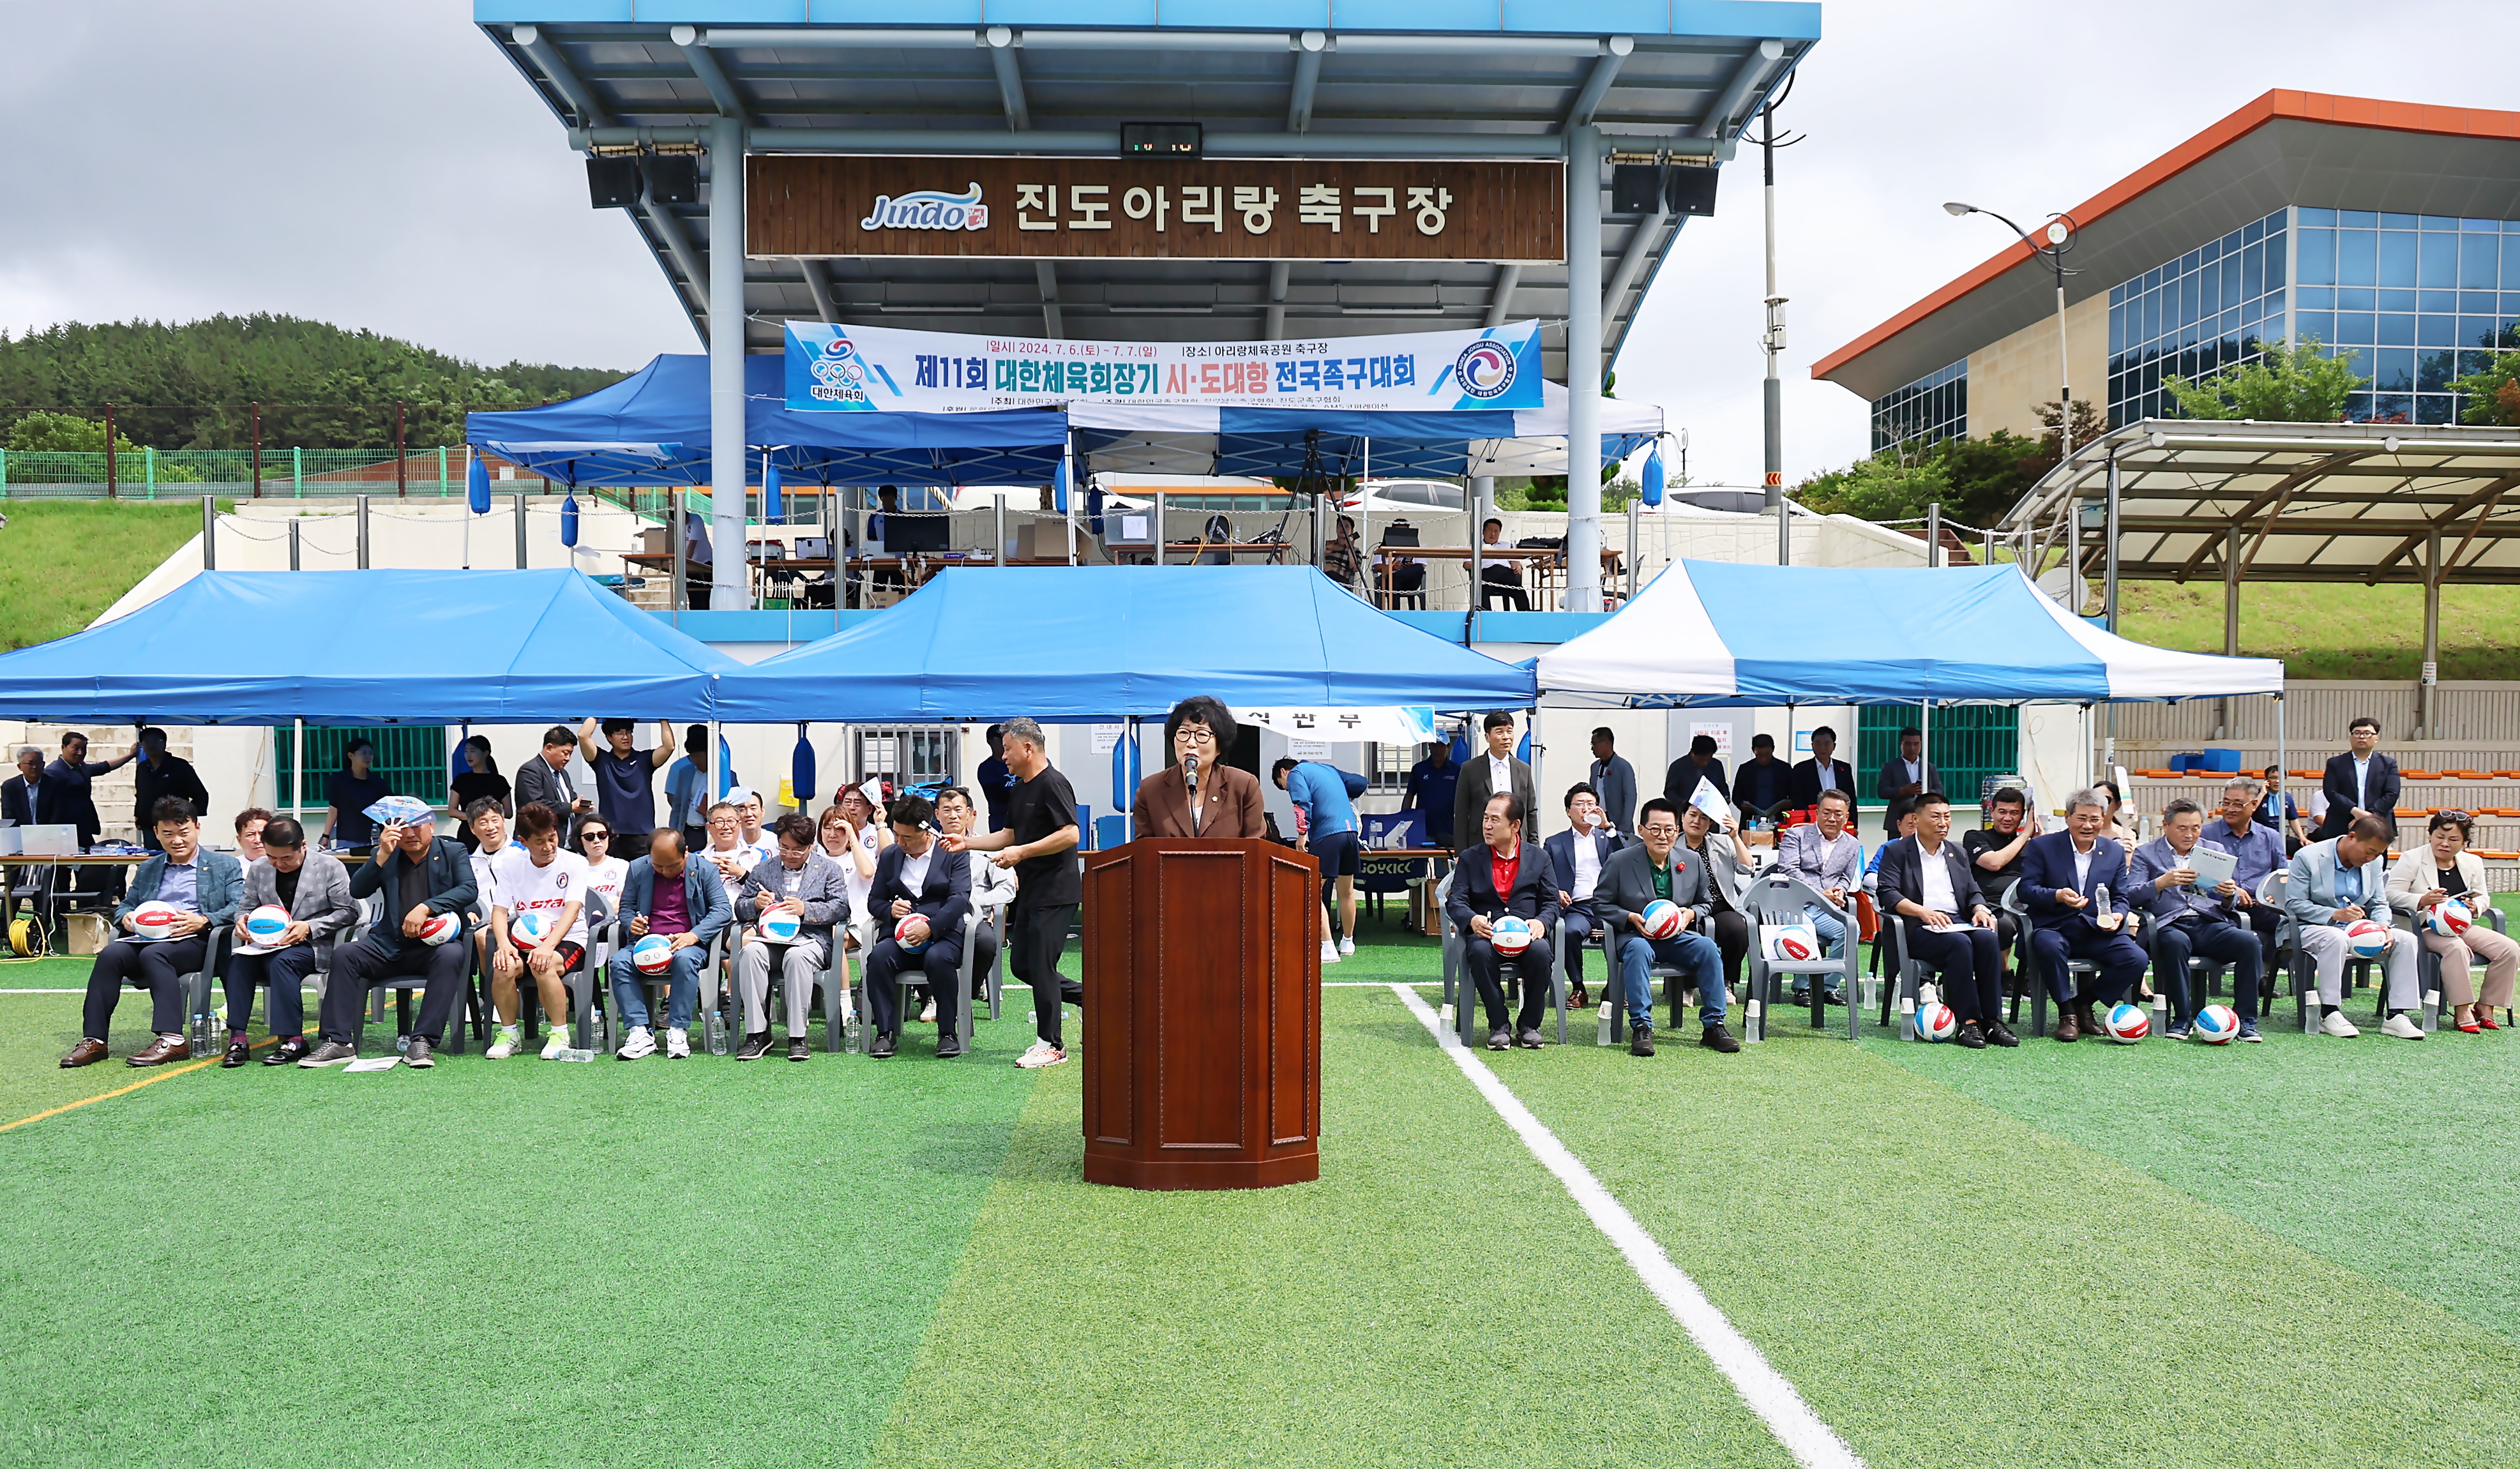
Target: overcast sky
{"type": "Point", "coordinates": [379, 164]}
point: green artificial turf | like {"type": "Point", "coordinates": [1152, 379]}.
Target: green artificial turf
{"type": "Point", "coordinates": [1434, 1299]}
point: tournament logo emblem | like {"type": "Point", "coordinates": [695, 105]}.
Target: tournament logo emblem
{"type": "Point", "coordinates": [840, 373]}
{"type": "Point", "coordinates": [1485, 370]}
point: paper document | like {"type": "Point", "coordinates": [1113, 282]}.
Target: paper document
{"type": "Point", "coordinates": [2213, 868]}
{"type": "Point", "coordinates": [374, 1063]}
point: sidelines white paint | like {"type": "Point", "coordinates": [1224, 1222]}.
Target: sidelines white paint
{"type": "Point", "coordinates": [1769, 1394]}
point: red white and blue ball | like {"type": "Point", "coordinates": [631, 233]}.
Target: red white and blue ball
{"type": "Point", "coordinates": [653, 954]}
{"type": "Point", "coordinates": [1935, 1022]}
{"type": "Point", "coordinates": [1510, 935]}
{"type": "Point", "coordinates": [1662, 918]}
{"type": "Point", "coordinates": [780, 927]}
{"type": "Point", "coordinates": [2216, 1025]}
{"type": "Point", "coordinates": [911, 934]}
{"type": "Point", "coordinates": [2366, 939]}
{"type": "Point", "coordinates": [265, 925]}
{"type": "Point", "coordinates": [439, 928]}
{"type": "Point", "coordinates": [529, 928]}
{"type": "Point", "coordinates": [2450, 917]}
{"type": "Point", "coordinates": [2126, 1023]}
{"type": "Point", "coordinates": [155, 920]}
{"type": "Point", "coordinates": [1790, 942]}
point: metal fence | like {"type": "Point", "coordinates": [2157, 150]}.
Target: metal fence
{"type": "Point", "coordinates": [188, 473]}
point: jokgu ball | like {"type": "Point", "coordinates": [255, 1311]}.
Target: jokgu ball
{"type": "Point", "coordinates": [2216, 1025]}
{"type": "Point", "coordinates": [439, 928]}
{"type": "Point", "coordinates": [265, 925]}
{"type": "Point", "coordinates": [1662, 918]}
{"type": "Point", "coordinates": [909, 940]}
{"type": "Point", "coordinates": [1935, 1022]}
{"type": "Point", "coordinates": [1790, 942]}
{"type": "Point", "coordinates": [1510, 935]}
{"type": "Point", "coordinates": [2129, 1023]}
{"type": "Point", "coordinates": [155, 920]}
{"type": "Point", "coordinates": [2366, 939]}
{"type": "Point", "coordinates": [2450, 917]}
{"type": "Point", "coordinates": [653, 954]}
{"type": "Point", "coordinates": [529, 928]}
{"type": "Point", "coordinates": [780, 927]}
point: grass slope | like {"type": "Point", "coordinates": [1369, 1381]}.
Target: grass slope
{"type": "Point", "coordinates": [2324, 631]}
{"type": "Point", "coordinates": [63, 563]}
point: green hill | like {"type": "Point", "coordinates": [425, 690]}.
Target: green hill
{"type": "Point", "coordinates": [64, 561]}
{"type": "Point", "coordinates": [2326, 631]}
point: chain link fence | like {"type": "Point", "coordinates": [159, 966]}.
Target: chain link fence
{"type": "Point", "coordinates": [144, 473]}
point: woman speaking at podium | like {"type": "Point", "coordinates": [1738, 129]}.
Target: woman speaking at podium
{"type": "Point", "coordinates": [1198, 794]}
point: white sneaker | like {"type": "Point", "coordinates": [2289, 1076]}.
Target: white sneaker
{"type": "Point", "coordinates": [504, 1046]}
{"type": "Point", "coordinates": [2337, 1025]}
{"type": "Point", "coordinates": [1329, 951]}
{"type": "Point", "coordinates": [554, 1041]}
{"type": "Point", "coordinates": [1347, 946]}
{"type": "Point", "coordinates": [642, 1042]}
{"type": "Point", "coordinates": [2402, 1026]}
{"type": "Point", "coordinates": [928, 1013]}
{"type": "Point", "coordinates": [1042, 1053]}
{"type": "Point", "coordinates": [678, 1045]}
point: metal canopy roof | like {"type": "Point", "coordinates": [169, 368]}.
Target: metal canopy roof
{"type": "Point", "coordinates": [2291, 502]}
{"type": "Point", "coordinates": [1419, 78]}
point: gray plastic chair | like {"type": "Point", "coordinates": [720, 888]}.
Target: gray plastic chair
{"type": "Point", "coordinates": [1775, 898]}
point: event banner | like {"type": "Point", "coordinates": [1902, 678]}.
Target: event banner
{"type": "Point", "coordinates": [855, 368]}
{"type": "Point", "coordinates": [842, 207]}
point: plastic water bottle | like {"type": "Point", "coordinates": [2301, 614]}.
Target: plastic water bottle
{"type": "Point", "coordinates": [402, 1042]}
{"type": "Point", "coordinates": [574, 1054]}
{"type": "Point", "coordinates": [204, 1030]}
{"type": "Point", "coordinates": [2100, 905]}
{"type": "Point", "coordinates": [852, 1032]}
{"type": "Point", "coordinates": [716, 1032]}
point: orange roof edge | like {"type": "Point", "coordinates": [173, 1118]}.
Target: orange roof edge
{"type": "Point", "coordinates": [2275, 105]}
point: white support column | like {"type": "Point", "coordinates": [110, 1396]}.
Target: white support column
{"type": "Point", "coordinates": [1583, 370]}
{"type": "Point", "coordinates": [730, 586]}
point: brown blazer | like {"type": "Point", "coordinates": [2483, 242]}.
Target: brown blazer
{"type": "Point", "coordinates": [1233, 804]}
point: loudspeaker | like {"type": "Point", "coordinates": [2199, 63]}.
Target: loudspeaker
{"type": "Point", "coordinates": [1691, 188]}
{"type": "Point", "coordinates": [612, 183]}
{"type": "Point", "coordinates": [674, 178]}
{"type": "Point", "coordinates": [1634, 188]}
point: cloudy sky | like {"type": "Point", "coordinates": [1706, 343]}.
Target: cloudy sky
{"type": "Point", "coordinates": [378, 164]}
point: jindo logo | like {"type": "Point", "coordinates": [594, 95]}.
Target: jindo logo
{"type": "Point", "coordinates": [1485, 370]}
{"type": "Point", "coordinates": [928, 209]}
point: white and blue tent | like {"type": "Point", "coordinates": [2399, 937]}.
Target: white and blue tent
{"type": "Point", "coordinates": [1716, 633]}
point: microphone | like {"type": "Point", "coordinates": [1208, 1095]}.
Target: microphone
{"type": "Point", "coordinates": [1189, 771]}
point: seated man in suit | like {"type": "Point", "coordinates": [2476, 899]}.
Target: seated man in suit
{"type": "Point", "coordinates": [1926, 882]}
{"type": "Point", "coordinates": [418, 875]}
{"type": "Point", "coordinates": [2257, 850]}
{"type": "Point", "coordinates": [2342, 880]}
{"type": "Point", "coordinates": [672, 895]}
{"type": "Point", "coordinates": [315, 888]}
{"type": "Point", "coordinates": [1506, 878]}
{"type": "Point", "coordinates": [2062, 876]}
{"type": "Point", "coordinates": [1823, 771]}
{"type": "Point", "coordinates": [1575, 858]}
{"type": "Point", "coordinates": [803, 880]}
{"type": "Point", "coordinates": [2185, 920]}
{"type": "Point", "coordinates": [20, 793]}
{"type": "Point", "coordinates": [928, 889]}
{"type": "Point", "coordinates": [1827, 854]}
{"type": "Point", "coordinates": [1657, 867]}
{"type": "Point", "coordinates": [1764, 787]}
{"type": "Point", "coordinates": [2362, 782]}
{"type": "Point", "coordinates": [204, 887]}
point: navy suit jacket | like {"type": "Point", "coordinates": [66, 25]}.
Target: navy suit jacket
{"type": "Point", "coordinates": [1533, 896]}
{"type": "Point", "coordinates": [1562, 857]}
{"type": "Point", "coordinates": [2047, 866]}
{"type": "Point", "coordinates": [942, 900]}
{"type": "Point", "coordinates": [2338, 787]}
{"type": "Point", "coordinates": [18, 798]}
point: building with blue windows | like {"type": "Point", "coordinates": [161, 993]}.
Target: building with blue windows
{"type": "Point", "coordinates": [2387, 232]}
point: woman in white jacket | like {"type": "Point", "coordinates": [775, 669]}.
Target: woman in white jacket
{"type": "Point", "coordinates": [2431, 874]}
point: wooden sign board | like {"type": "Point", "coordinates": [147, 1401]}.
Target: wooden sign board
{"type": "Point", "coordinates": [822, 205]}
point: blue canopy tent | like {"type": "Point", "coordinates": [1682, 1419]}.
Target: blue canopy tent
{"type": "Point", "coordinates": [373, 646]}
{"type": "Point", "coordinates": [1277, 442]}
{"type": "Point", "coordinates": [1073, 645]}
{"type": "Point", "coordinates": [652, 428]}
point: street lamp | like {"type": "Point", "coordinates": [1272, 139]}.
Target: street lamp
{"type": "Point", "coordinates": [2054, 238]}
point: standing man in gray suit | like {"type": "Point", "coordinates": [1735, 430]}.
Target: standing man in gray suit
{"type": "Point", "coordinates": [1614, 783]}
{"type": "Point", "coordinates": [1908, 776]}
{"type": "Point", "coordinates": [1495, 773]}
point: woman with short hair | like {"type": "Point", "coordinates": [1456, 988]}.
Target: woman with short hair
{"type": "Point", "coordinates": [2432, 874]}
{"type": "Point", "coordinates": [1224, 801]}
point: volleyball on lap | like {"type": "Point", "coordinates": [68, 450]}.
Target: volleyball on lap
{"type": "Point", "coordinates": [1510, 935]}
{"type": "Point", "coordinates": [653, 954]}
{"type": "Point", "coordinates": [438, 929]}
{"type": "Point", "coordinates": [2450, 917]}
{"type": "Point", "coordinates": [1662, 918]}
{"type": "Point", "coordinates": [2126, 1023]}
{"type": "Point", "coordinates": [2216, 1025]}
{"type": "Point", "coordinates": [1935, 1022]}
{"type": "Point", "coordinates": [265, 925]}
{"type": "Point", "coordinates": [155, 920]}
{"type": "Point", "coordinates": [911, 940]}
{"type": "Point", "coordinates": [2366, 939]}
{"type": "Point", "coordinates": [780, 927]}
{"type": "Point", "coordinates": [529, 928]}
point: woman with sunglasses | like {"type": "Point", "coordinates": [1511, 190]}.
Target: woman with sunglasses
{"type": "Point", "coordinates": [603, 871]}
{"type": "Point", "coordinates": [2432, 874]}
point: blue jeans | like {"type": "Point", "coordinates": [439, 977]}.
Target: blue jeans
{"type": "Point", "coordinates": [682, 992]}
{"type": "Point", "coordinates": [1691, 951]}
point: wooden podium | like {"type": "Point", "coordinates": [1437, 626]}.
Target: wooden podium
{"type": "Point", "coordinates": [1203, 1015]}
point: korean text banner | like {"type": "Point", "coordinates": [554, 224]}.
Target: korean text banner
{"type": "Point", "coordinates": [855, 368]}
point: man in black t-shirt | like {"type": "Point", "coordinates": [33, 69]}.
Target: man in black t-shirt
{"type": "Point", "coordinates": [1995, 855]}
{"type": "Point", "coordinates": [625, 777]}
{"type": "Point", "coordinates": [1038, 842]}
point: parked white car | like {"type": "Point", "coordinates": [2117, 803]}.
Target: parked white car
{"type": "Point", "coordinates": [1398, 497]}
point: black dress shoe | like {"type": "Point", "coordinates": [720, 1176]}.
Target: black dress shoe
{"type": "Point", "coordinates": [1973, 1036]}
{"type": "Point", "coordinates": [948, 1047]}
{"type": "Point", "coordinates": [287, 1052]}
{"type": "Point", "coordinates": [2000, 1033]}
{"type": "Point", "coordinates": [1716, 1038]}
{"type": "Point", "coordinates": [238, 1052]}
